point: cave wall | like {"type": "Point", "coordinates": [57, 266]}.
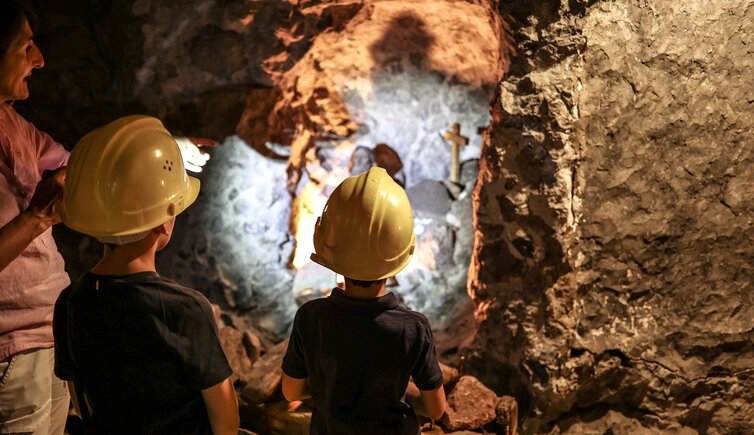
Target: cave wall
{"type": "Point", "coordinates": [192, 64]}
{"type": "Point", "coordinates": [612, 269]}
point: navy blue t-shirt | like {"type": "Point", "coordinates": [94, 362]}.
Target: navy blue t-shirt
{"type": "Point", "coordinates": [358, 356]}
{"type": "Point", "coordinates": [143, 348]}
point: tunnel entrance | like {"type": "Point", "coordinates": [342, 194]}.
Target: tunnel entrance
{"type": "Point", "coordinates": [383, 91]}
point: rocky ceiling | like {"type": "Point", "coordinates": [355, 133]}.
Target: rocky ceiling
{"type": "Point", "coordinates": [611, 270]}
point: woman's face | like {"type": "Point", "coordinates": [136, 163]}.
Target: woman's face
{"type": "Point", "coordinates": [17, 63]}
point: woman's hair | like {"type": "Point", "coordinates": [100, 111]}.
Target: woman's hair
{"type": "Point", "coordinates": [11, 20]}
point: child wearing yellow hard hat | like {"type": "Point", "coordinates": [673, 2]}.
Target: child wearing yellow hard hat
{"type": "Point", "coordinates": [355, 352]}
{"type": "Point", "coordinates": [142, 352]}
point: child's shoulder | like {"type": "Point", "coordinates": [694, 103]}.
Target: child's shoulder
{"type": "Point", "coordinates": [312, 306]}
{"type": "Point", "coordinates": [178, 302]}
{"type": "Point", "coordinates": [154, 290]}
{"type": "Point", "coordinates": [179, 292]}
{"type": "Point", "coordinates": [411, 315]}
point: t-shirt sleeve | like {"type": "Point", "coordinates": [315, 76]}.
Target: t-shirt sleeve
{"type": "Point", "coordinates": [50, 154]}
{"type": "Point", "coordinates": [427, 374]}
{"type": "Point", "coordinates": [203, 357]}
{"type": "Point", "coordinates": [294, 363]}
{"type": "Point", "coordinates": [63, 363]}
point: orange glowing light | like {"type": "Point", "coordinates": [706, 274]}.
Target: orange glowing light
{"type": "Point", "coordinates": [310, 203]}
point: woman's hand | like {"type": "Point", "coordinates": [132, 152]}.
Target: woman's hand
{"type": "Point", "coordinates": [45, 203]}
{"type": "Point", "coordinates": [42, 213]}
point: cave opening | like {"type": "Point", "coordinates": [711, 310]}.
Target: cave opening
{"type": "Point", "coordinates": [379, 92]}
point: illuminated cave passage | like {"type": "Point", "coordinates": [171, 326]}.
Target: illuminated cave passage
{"type": "Point", "coordinates": [381, 91]}
{"type": "Point", "coordinates": [594, 259]}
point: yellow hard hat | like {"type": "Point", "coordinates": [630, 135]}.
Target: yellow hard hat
{"type": "Point", "coordinates": [366, 231]}
{"type": "Point", "coordinates": [125, 178]}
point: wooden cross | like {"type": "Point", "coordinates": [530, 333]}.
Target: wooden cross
{"type": "Point", "coordinates": [456, 141]}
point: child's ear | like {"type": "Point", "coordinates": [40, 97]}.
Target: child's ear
{"type": "Point", "coordinates": [162, 229]}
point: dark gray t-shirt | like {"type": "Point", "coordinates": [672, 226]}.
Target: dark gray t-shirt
{"type": "Point", "coordinates": [143, 349]}
{"type": "Point", "coordinates": [358, 355]}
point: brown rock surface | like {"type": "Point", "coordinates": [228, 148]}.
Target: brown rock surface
{"type": "Point", "coordinates": [252, 344]}
{"type": "Point", "coordinates": [387, 158]}
{"type": "Point", "coordinates": [192, 64]}
{"type": "Point", "coordinates": [506, 416]}
{"type": "Point", "coordinates": [232, 342]}
{"type": "Point", "coordinates": [471, 405]}
{"type": "Point", "coordinates": [265, 375]}
{"type": "Point", "coordinates": [613, 259]}
{"type": "Point", "coordinates": [449, 376]}
{"type": "Point", "coordinates": [283, 421]}
{"type": "Point", "coordinates": [276, 418]}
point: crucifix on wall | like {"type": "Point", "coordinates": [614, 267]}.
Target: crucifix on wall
{"type": "Point", "coordinates": [456, 141]}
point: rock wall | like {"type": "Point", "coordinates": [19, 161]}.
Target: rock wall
{"type": "Point", "coordinates": [193, 64]}
{"type": "Point", "coordinates": [612, 269]}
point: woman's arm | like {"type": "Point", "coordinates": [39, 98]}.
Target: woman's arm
{"type": "Point", "coordinates": [41, 214]}
{"type": "Point", "coordinates": [222, 408]}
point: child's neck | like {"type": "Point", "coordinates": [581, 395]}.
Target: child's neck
{"type": "Point", "coordinates": [126, 260]}
{"type": "Point", "coordinates": [356, 292]}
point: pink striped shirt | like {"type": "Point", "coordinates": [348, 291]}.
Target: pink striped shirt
{"type": "Point", "coordinates": [31, 283]}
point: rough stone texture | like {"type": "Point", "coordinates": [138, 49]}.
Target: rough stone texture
{"type": "Point", "coordinates": [407, 70]}
{"type": "Point", "coordinates": [276, 418]}
{"type": "Point", "coordinates": [449, 376]}
{"type": "Point", "coordinates": [430, 198]}
{"type": "Point", "coordinates": [233, 242]}
{"type": "Point", "coordinates": [613, 422]}
{"type": "Point", "coordinates": [506, 416]}
{"type": "Point", "coordinates": [282, 421]}
{"type": "Point", "coordinates": [266, 375]}
{"type": "Point", "coordinates": [434, 282]}
{"type": "Point", "coordinates": [252, 344]}
{"type": "Point", "coordinates": [457, 335]}
{"type": "Point", "coordinates": [190, 63]}
{"type": "Point", "coordinates": [471, 405]}
{"type": "Point", "coordinates": [232, 342]}
{"type": "Point", "coordinates": [613, 256]}
{"type": "Point", "coordinates": [437, 429]}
